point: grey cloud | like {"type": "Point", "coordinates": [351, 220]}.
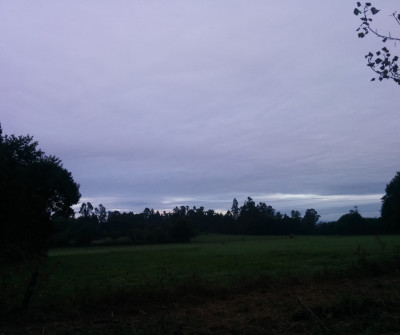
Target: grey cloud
{"type": "Point", "coordinates": [203, 101]}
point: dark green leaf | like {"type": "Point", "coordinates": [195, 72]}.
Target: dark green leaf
{"type": "Point", "coordinates": [373, 79]}
{"type": "Point", "coordinates": [374, 10]}
{"type": "Point", "coordinates": [378, 61]}
{"type": "Point", "coordinates": [384, 40]}
{"type": "Point", "coordinates": [361, 35]}
{"type": "Point", "coordinates": [367, 4]}
{"type": "Point", "coordinates": [358, 4]}
{"type": "Point", "coordinates": [356, 11]}
{"type": "Point", "coordinates": [395, 58]}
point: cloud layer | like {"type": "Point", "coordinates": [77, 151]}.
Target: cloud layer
{"type": "Point", "coordinates": [158, 104]}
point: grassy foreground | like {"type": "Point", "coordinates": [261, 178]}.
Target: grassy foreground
{"type": "Point", "coordinates": [74, 282]}
{"type": "Point", "coordinates": [216, 258]}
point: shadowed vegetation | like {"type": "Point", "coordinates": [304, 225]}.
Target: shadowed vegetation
{"type": "Point", "coordinates": [158, 285]}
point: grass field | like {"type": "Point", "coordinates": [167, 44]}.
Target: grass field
{"type": "Point", "coordinates": [213, 258]}
{"type": "Point", "coordinates": [217, 258]}
{"type": "Point", "coordinates": [79, 276]}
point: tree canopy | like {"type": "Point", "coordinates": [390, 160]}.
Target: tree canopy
{"type": "Point", "coordinates": [382, 62]}
{"type": "Point", "coordinates": [390, 210]}
{"type": "Point", "coordinates": [33, 187]}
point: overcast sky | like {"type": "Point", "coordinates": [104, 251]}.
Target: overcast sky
{"type": "Point", "coordinates": [194, 102]}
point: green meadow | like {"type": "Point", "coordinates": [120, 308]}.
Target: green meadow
{"type": "Point", "coordinates": [217, 259]}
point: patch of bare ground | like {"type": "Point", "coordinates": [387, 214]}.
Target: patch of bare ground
{"type": "Point", "coordinates": [369, 305]}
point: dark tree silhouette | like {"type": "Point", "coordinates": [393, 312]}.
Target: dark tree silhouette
{"type": "Point", "coordinates": [86, 210]}
{"type": "Point", "coordinates": [351, 223]}
{"type": "Point", "coordinates": [181, 231]}
{"type": "Point", "coordinates": [101, 214]}
{"type": "Point", "coordinates": [391, 206]}
{"type": "Point", "coordinates": [295, 215]}
{"type": "Point", "coordinates": [309, 220]}
{"type": "Point", "coordinates": [33, 187]}
{"type": "Point", "coordinates": [381, 62]}
{"type": "Point", "coordinates": [235, 210]}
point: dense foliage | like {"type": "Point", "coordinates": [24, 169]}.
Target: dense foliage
{"type": "Point", "coordinates": [96, 225]}
{"type": "Point", "coordinates": [391, 206]}
{"type": "Point", "coordinates": [33, 186]}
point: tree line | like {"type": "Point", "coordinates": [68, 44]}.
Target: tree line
{"type": "Point", "coordinates": [184, 222]}
{"type": "Point", "coordinates": [37, 194]}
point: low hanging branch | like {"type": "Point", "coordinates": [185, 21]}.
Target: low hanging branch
{"type": "Point", "coordinates": [381, 62]}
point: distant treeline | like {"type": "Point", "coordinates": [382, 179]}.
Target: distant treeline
{"type": "Point", "coordinates": [183, 223]}
{"type": "Point", "coordinates": [37, 194]}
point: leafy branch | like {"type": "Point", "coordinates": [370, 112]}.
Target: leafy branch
{"type": "Point", "coordinates": [381, 62]}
